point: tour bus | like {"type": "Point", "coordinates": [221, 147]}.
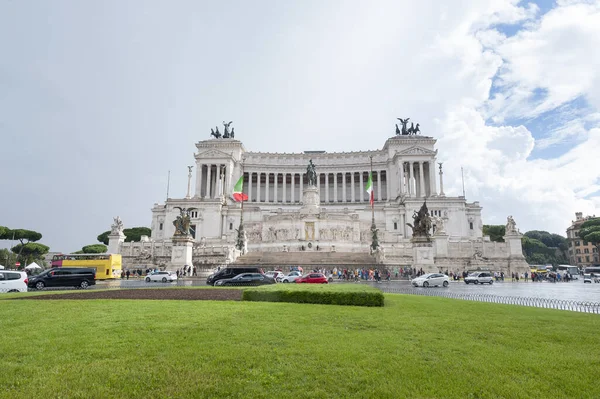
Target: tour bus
{"type": "Point", "coordinates": [572, 270]}
{"type": "Point", "coordinates": [107, 265]}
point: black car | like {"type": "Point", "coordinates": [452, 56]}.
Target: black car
{"type": "Point", "coordinates": [246, 279]}
{"type": "Point", "coordinates": [230, 272]}
{"type": "Point", "coordinates": [81, 277]}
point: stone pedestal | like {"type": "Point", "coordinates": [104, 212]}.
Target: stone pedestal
{"type": "Point", "coordinates": [181, 254]}
{"type": "Point", "coordinates": [311, 203]}
{"type": "Point", "coordinates": [441, 245]}
{"type": "Point", "coordinates": [114, 242]}
{"type": "Point", "coordinates": [423, 254]}
{"type": "Point", "coordinates": [516, 259]}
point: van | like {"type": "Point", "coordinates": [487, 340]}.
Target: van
{"type": "Point", "coordinates": [231, 272]}
{"type": "Point", "coordinates": [81, 277]}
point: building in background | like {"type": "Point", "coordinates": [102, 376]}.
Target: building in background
{"type": "Point", "coordinates": [581, 253]}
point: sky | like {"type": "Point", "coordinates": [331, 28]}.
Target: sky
{"type": "Point", "coordinates": [100, 100]}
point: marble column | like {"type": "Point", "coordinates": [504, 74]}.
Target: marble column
{"type": "Point", "coordinates": [421, 180]}
{"type": "Point", "coordinates": [258, 186]}
{"type": "Point", "coordinates": [284, 198]}
{"type": "Point", "coordinates": [441, 182]}
{"type": "Point", "coordinates": [326, 187]}
{"type": "Point", "coordinates": [344, 186]}
{"type": "Point", "coordinates": [301, 187]}
{"type": "Point", "coordinates": [275, 184]}
{"type": "Point", "coordinates": [199, 180]}
{"type": "Point", "coordinates": [432, 184]}
{"type": "Point", "coordinates": [353, 190]}
{"type": "Point", "coordinates": [292, 188]}
{"type": "Point", "coordinates": [250, 186]}
{"type": "Point", "coordinates": [335, 187]}
{"type": "Point", "coordinates": [267, 176]}
{"type": "Point", "coordinates": [208, 180]}
{"type": "Point", "coordinates": [362, 186]}
{"type": "Point", "coordinates": [401, 180]}
{"type": "Point", "coordinates": [378, 185]}
{"type": "Point", "coordinates": [411, 190]}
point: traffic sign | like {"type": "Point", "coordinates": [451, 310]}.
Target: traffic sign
{"type": "Point", "coordinates": [18, 264]}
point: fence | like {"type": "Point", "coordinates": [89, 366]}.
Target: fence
{"type": "Point", "coordinates": [561, 304]}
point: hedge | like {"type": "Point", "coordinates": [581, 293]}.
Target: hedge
{"type": "Point", "coordinates": [354, 295]}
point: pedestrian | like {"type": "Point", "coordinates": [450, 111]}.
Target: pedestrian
{"type": "Point", "coordinates": [127, 274]}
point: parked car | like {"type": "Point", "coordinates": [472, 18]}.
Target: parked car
{"type": "Point", "coordinates": [13, 281]}
{"type": "Point", "coordinates": [161, 276]}
{"type": "Point", "coordinates": [480, 277]}
{"type": "Point", "coordinates": [291, 277]}
{"type": "Point", "coordinates": [81, 277]}
{"type": "Point", "coordinates": [312, 278]}
{"type": "Point", "coordinates": [231, 272]}
{"type": "Point", "coordinates": [276, 275]}
{"type": "Point", "coordinates": [246, 279]}
{"type": "Point", "coordinates": [431, 280]}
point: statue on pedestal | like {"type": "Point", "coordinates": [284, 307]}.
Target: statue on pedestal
{"type": "Point", "coordinates": [421, 222]}
{"type": "Point", "coordinates": [182, 223]}
{"type": "Point", "coordinates": [311, 173]}
{"type": "Point", "coordinates": [117, 226]}
{"type": "Point", "coordinates": [511, 226]}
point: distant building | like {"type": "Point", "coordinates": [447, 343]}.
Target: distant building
{"type": "Point", "coordinates": [581, 253]}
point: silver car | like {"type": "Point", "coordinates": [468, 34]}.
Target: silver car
{"type": "Point", "coordinates": [431, 280]}
{"type": "Point", "coordinates": [291, 277]}
{"type": "Point", "coordinates": [480, 278]}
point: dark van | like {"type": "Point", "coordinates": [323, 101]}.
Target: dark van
{"type": "Point", "coordinates": [81, 277]}
{"type": "Point", "coordinates": [231, 272]}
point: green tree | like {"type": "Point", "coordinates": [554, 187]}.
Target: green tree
{"type": "Point", "coordinates": [538, 253]}
{"type": "Point", "coordinates": [94, 249]}
{"type": "Point", "coordinates": [590, 232]}
{"type": "Point", "coordinates": [133, 234]}
{"type": "Point", "coordinates": [30, 252]}
{"type": "Point", "coordinates": [7, 258]}
{"type": "Point", "coordinates": [495, 231]}
{"type": "Point", "coordinates": [23, 236]}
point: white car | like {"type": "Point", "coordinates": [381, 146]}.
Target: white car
{"type": "Point", "coordinates": [291, 277]}
{"type": "Point", "coordinates": [275, 275]}
{"type": "Point", "coordinates": [13, 281]}
{"type": "Point", "coordinates": [161, 276]}
{"type": "Point", "coordinates": [480, 278]}
{"type": "Point", "coordinates": [431, 280]}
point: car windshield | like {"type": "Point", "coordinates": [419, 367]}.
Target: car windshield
{"type": "Point", "coordinates": [473, 274]}
{"type": "Point", "coordinates": [426, 275]}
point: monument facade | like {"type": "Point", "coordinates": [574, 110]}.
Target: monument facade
{"type": "Point", "coordinates": [324, 207]}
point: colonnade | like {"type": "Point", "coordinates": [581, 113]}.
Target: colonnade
{"type": "Point", "coordinates": [333, 186]}
{"type": "Point", "coordinates": [414, 179]}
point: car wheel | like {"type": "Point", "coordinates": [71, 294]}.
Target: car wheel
{"type": "Point", "coordinates": [466, 282]}
{"type": "Point", "coordinates": [164, 279]}
{"type": "Point", "coordinates": [84, 284]}
{"type": "Point", "coordinates": [13, 291]}
{"type": "Point", "coordinates": [491, 282]}
{"type": "Point", "coordinates": [147, 279]}
{"type": "Point", "coordinates": [445, 284]}
{"type": "Point", "coordinates": [285, 281]}
{"type": "Point", "coordinates": [425, 284]}
{"type": "Point", "coordinates": [39, 285]}
{"type": "Point", "coordinates": [476, 282]}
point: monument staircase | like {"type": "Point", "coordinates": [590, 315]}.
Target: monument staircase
{"type": "Point", "coordinates": [307, 258]}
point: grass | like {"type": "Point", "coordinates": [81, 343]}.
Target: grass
{"type": "Point", "coordinates": [417, 347]}
{"type": "Point", "coordinates": [331, 294]}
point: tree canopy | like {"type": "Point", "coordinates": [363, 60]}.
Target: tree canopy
{"type": "Point", "coordinates": [94, 249]}
{"type": "Point", "coordinates": [30, 252]}
{"type": "Point", "coordinates": [590, 232]}
{"type": "Point", "coordinates": [133, 234]}
{"type": "Point", "coordinates": [495, 231]}
{"type": "Point", "coordinates": [538, 253]}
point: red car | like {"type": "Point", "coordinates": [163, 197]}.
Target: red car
{"type": "Point", "coordinates": [313, 278]}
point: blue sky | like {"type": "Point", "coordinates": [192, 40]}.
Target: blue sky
{"type": "Point", "coordinates": [99, 100]}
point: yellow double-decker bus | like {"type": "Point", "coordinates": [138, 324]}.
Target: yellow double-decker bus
{"type": "Point", "coordinates": [107, 265]}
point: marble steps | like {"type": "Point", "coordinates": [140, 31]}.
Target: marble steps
{"type": "Point", "coordinates": [304, 258]}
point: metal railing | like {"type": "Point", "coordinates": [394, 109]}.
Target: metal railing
{"type": "Point", "coordinates": [560, 304]}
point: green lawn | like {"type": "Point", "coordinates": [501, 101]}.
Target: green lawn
{"type": "Point", "coordinates": [416, 347]}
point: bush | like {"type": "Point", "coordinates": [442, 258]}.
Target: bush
{"type": "Point", "coordinates": [320, 294]}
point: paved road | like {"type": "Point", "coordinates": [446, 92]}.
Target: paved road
{"type": "Point", "coordinates": [574, 291]}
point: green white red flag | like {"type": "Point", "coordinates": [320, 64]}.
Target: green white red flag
{"type": "Point", "coordinates": [370, 189]}
{"type": "Point", "coordinates": [238, 194]}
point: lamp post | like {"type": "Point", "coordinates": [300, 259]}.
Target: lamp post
{"type": "Point", "coordinates": [241, 238]}
{"type": "Point", "coordinates": [375, 240]}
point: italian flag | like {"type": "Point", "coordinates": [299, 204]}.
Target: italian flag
{"type": "Point", "coordinates": [370, 189]}
{"type": "Point", "coordinates": [238, 195]}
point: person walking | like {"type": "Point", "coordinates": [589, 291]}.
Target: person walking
{"type": "Point", "coordinates": [127, 274]}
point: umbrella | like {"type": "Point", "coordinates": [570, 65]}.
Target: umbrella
{"type": "Point", "coordinates": [33, 266]}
